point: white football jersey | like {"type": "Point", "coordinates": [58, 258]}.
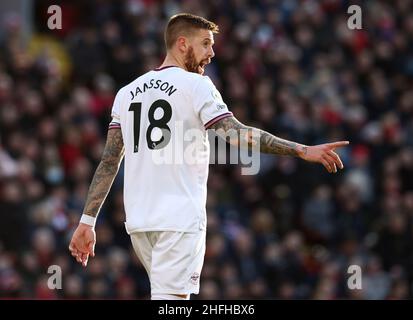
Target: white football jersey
{"type": "Point", "coordinates": [163, 116]}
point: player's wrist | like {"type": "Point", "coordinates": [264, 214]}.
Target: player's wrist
{"type": "Point", "coordinates": [302, 150]}
{"type": "Point", "coordinates": [88, 220]}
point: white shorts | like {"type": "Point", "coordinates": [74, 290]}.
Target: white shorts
{"type": "Point", "coordinates": [173, 260]}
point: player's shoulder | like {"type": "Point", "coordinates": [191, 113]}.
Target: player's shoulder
{"type": "Point", "coordinates": [190, 80]}
{"type": "Point", "coordinates": [198, 77]}
{"type": "Point", "coordinates": [199, 80]}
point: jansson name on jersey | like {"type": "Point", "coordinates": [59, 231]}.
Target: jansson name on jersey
{"type": "Point", "coordinates": [154, 84]}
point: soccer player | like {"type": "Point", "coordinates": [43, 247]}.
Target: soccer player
{"type": "Point", "coordinates": [165, 201]}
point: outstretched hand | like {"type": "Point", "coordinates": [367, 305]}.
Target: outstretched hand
{"type": "Point", "coordinates": [324, 154]}
{"type": "Point", "coordinates": [83, 243]}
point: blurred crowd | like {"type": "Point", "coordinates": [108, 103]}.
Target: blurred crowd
{"type": "Point", "coordinates": [291, 67]}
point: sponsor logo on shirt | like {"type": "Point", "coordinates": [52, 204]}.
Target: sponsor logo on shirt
{"type": "Point", "coordinates": [195, 278]}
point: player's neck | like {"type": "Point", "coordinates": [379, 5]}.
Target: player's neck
{"type": "Point", "coordinates": [170, 60]}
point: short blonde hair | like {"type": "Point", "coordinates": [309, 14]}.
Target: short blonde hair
{"type": "Point", "coordinates": [183, 24]}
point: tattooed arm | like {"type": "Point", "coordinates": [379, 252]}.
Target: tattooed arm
{"type": "Point", "coordinates": [265, 142]}
{"type": "Point", "coordinates": [84, 238]}
{"type": "Point", "coordinates": [105, 172]}
{"type": "Point", "coordinates": [253, 137]}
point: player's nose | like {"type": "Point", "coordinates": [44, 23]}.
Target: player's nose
{"type": "Point", "coordinates": [211, 53]}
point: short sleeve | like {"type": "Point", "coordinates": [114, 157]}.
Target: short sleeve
{"type": "Point", "coordinates": [115, 123]}
{"type": "Point", "coordinates": [116, 107]}
{"type": "Point", "coordinates": [208, 103]}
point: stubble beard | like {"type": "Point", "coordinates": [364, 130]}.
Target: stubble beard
{"type": "Point", "coordinates": [191, 64]}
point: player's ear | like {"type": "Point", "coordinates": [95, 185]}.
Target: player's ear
{"type": "Point", "coordinates": [182, 44]}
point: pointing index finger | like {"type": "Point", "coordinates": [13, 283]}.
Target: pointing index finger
{"type": "Point", "coordinates": [338, 144]}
